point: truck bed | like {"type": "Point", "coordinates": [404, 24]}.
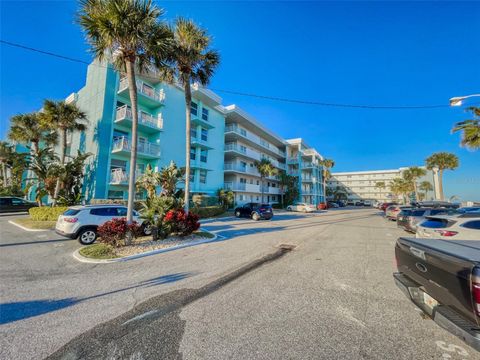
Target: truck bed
{"type": "Point", "coordinates": [468, 250]}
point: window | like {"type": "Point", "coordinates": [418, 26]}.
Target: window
{"type": "Point", "coordinates": [104, 211]}
{"type": "Point", "coordinates": [243, 148]}
{"type": "Point", "coordinates": [243, 181]}
{"type": "Point", "coordinates": [251, 181]}
{"type": "Point", "coordinates": [192, 176]}
{"type": "Point", "coordinates": [118, 164]}
{"type": "Point", "coordinates": [194, 108]}
{"type": "Point", "coordinates": [472, 225]}
{"type": "Point", "coordinates": [115, 194]}
{"type": "Point", "coordinates": [203, 176]}
{"type": "Point", "coordinates": [204, 114]}
{"type": "Point", "coordinates": [243, 132]}
{"type": "Point", "coordinates": [71, 212]}
{"type": "Point", "coordinates": [203, 155]}
{"type": "Point", "coordinates": [122, 211]}
{"type": "Point", "coordinates": [193, 154]}
{"type": "Point", "coordinates": [17, 201]}
{"type": "Point", "coordinates": [258, 182]}
{"type": "Point", "coordinates": [274, 198]}
{"type": "Point", "coordinates": [240, 197]}
{"type": "Point", "coordinates": [193, 133]}
{"type": "Point", "coordinates": [435, 223]}
{"type": "Point", "coordinates": [204, 134]}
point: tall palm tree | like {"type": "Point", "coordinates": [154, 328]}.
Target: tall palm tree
{"type": "Point", "coordinates": [65, 118]}
{"type": "Point", "coordinates": [442, 161]}
{"type": "Point", "coordinates": [6, 153]}
{"type": "Point", "coordinates": [401, 186]}
{"type": "Point", "coordinates": [191, 62]}
{"type": "Point", "coordinates": [425, 186]}
{"type": "Point", "coordinates": [327, 165]}
{"type": "Point", "coordinates": [412, 174]}
{"type": "Point", "coordinates": [127, 33]}
{"type": "Point", "coordinates": [471, 130]}
{"type": "Point", "coordinates": [30, 130]}
{"type": "Point", "coordinates": [265, 168]}
{"type": "Point", "coordinates": [284, 180]}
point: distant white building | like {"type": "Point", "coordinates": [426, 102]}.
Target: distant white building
{"type": "Point", "coordinates": [360, 185]}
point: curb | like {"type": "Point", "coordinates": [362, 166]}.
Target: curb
{"type": "Point", "coordinates": [215, 219]}
{"type": "Point", "coordinates": [77, 256]}
{"type": "Point", "coordinates": [26, 229]}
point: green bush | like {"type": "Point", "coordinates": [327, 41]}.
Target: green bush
{"type": "Point", "coordinates": [46, 213]}
{"type": "Point", "coordinates": [204, 200]}
{"type": "Point", "coordinates": [208, 211]}
{"type": "Point", "coordinates": [98, 251]}
{"type": "Point", "coordinates": [277, 206]}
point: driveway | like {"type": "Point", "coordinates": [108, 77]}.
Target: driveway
{"type": "Point", "coordinates": [331, 297]}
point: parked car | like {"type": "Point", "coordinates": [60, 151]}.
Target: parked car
{"type": "Point", "coordinates": [467, 209]}
{"type": "Point", "coordinates": [303, 207]}
{"type": "Point", "coordinates": [81, 222]}
{"type": "Point", "coordinates": [384, 206]}
{"type": "Point", "coordinates": [367, 203]}
{"type": "Point", "coordinates": [462, 227]}
{"type": "Point", "coordinates": [342, 203]}
{"type": "Point", "coordinates": [409, 219]}
{"type": "Point", "coordinates": [350, 202]}
{"type": "Point", "coordinates": [332, 204]}
{"type": "Point", "coordinates": [442, 278]}
{"type": "Point", "coordinates": [359, 203]}
{"type": "Point", "coordinates": [14, 204]}
{"type": "Point", "coordinates": [255, 211]}
{"type": "Point", "coordinates": [392, 211]}
{"type": "Point", "coordinates": [321, 206]}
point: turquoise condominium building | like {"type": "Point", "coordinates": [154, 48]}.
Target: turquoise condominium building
{"type": "Point", "coordinates": [226, 141]}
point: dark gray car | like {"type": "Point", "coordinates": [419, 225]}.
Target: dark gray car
{"type": "Point", "coordinates": [408, 219]}
{"type": "Point", "coordinates": [14, 204]}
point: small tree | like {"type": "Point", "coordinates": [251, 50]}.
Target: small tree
{"type": "Point", "coordinates": [149, 181]}
{"type": "Point", "coordinates": [225, 198]}
{"type": "Point", "coordinates": [265, 168]}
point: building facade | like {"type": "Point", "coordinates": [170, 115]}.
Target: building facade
{"type": "Point", "coordinates": [225, 141]}
{"type": "Point", "coordinates": [161, 132]}
{"type": "Point", "coordinates": [361, 185]}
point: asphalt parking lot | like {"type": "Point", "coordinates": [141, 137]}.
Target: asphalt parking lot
{"type": "Point", "coordinates": [332, 297]}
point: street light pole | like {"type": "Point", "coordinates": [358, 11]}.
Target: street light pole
{"type": "Point", "coordinates": [457, 100]}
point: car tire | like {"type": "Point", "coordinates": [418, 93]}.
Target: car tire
{"type": "Point", "coordinates": [238, 214]}
{"type": "Point", "coordinates": [87, 236]}
{"type": "Point", "coordinates": [146, 229]}
{"type": "Point", "coordinates": [289, 208]}
{"type": "Point", "coordinates": [255, 216]}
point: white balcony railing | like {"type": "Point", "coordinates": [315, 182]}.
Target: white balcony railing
{"type": "Point", "coordinates": [236, 129]}
{"type": "Point", "coordinates": [144, 89]}
{"type": "Point", "coordinates": [120, 176]}
{"type": "Point", "coordinates": [125, 112]}
{"type": "Point", "coordinates": [124, 144]}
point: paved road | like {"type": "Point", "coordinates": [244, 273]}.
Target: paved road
{"type": "Point", "coordinates": [241, 297]}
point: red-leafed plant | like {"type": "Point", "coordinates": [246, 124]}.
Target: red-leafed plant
{"type": "Point", "coordinates": [114, 231]}
{"type": "Point", "coordinates": [181, 223]}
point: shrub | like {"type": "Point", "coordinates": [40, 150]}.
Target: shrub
{"type": "Point", "coordinates": [204, 200]}
{"type": "Point", "coordinates": [46, 213]}
{"type": "Point", "coordinates": [179, 222]}
{"type": "Point", "coordinates": [114, 231]}
{"type": "Point", "coordinates": [98, 251]}
{"type": "Point", "coordinates": [209, 211]}
{"type": "Point", "coordinates": [137, 205]}
{"type": "Point", "coordinates": [277, 206]}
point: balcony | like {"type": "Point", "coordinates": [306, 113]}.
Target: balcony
{"type": "Point", "coordinates": [147, 95]}
{"type": "Point", "coordinates": [238, 186]}
{"type": "Point", "coordinates": [199, 120]}
{"type": "Point", "coordinates": [233, 131]}
{"type": "Point", "coordinates": [200, 143]}
{"type": "Point", "coordinates": [145, 149]}
{"type": "Point", "coordinates": [233, 167]}
{"type": "Point", "coordinates": [120, 176]}
{"type": "Point", "coordinates": [146, 122]}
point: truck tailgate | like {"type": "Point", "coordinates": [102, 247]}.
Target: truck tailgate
{"type": "Point", "coordinates": [442, 275]}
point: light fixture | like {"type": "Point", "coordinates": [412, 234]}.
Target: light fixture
{"type": "Point", "coordinates": [457, 100]}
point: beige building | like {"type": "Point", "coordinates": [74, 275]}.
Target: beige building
{"type": "Point", "coordinates": [360, 185]}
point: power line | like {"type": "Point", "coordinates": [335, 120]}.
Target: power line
{"type": "Point", "coordinates": [266, 97]}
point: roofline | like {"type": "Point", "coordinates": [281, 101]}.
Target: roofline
{"type": "Point", "coordinates": [372, 171]}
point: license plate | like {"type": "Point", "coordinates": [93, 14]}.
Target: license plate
{"type": "Point", "coordinates": [429, 301]}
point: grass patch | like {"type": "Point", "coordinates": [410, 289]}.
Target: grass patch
{"type": "Point", "coordinates": [98, 251]}
{"type": "Point", "coordinates": [204, 234]}
{"type": "Point", "coordinates": [35, 224]}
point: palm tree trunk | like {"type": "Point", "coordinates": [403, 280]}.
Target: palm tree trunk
{"type": "Point", "coordinates": [132, 89]}
{"type": "Point", "coordinates": [62, 159]}
{"type": "Point", "coordinates": [415, 190]}
{"type": "Point", "coordinates": [188, 101]}
{"type": "Point", "coordinates": [4, 173]}
{"type": "Point", "coordinates": [261, 181]}
{"type": "Point", "coordinates": [440, 183]}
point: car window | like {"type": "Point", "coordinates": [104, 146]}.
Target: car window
{"type": "Point", "coordinates": [121, 211]}
{"type": "Point", "coordinates": [475, 225]}
{"type": "Point", "coordinates": [405, 213]}
{"type": "Point", "coordinates": [104, 212]}
{"type": "Point", "coordinates": [5, 202]}
{"type": "Point", "coordinates": [435, 223]}
{"type": "Point", "coordinates": [17, 201]}
{"type": "Point", "coordinates": [71, 212]}
{"type": "Point", "coordinates": [418, 212]}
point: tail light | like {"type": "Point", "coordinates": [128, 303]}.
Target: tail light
{"type": "Point", "coordinates": [476, 297]}
{"type": "Point", "coordinates": [446, 232]}
{"type": "Point", "coordinates": [70, 220]}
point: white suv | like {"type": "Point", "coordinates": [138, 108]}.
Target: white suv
{"type": "Point", "coordinates": [82, 221]}
{"type": "Point", "coordinates": [460, 227]}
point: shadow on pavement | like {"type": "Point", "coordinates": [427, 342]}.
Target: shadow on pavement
{"type": "Point", "coordinates": [10, 312]}
{"type": "Point", "coordinates": [36, 242]}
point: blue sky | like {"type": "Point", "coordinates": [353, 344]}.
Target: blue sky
{"type": "Point", "coordinates": [377, 53]}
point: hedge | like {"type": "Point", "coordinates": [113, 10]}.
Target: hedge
{"type": "Point", "coordinates": [137, 204]}
{"type": "Point", "coordinates": [46, 213]}
{"type": "Point", "coordinates": [208, 211]}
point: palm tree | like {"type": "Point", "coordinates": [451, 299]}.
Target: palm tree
{"type": "Point", "coordinates": [128, 33]}
{"type": "Point", "coordinates": [327, 165]}
{"type": "Point", "coordinates": [425, 186]}
{"type": "Point", "coordinates": [265, 168]}
{"type": "Point", "coordinates": [442, 161]}
{"type": "Point", "coordinates": [412, 174]}
{"type": "Point", "coordinates": [284, 180]}
{"type": "Point", "coordinates": [471, 130]}
{"type": "Point", "coordinates": [29, 129]}
{"type": "Point", "coordinates": [65, 118]}
{"type": "Point", "coordinates": [6, 153]}
{"type": "Point", "coordinates": [192, 62]}
{"type": "Point", "coordinates": [401, 186]}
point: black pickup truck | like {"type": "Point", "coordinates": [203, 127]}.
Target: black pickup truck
{"type": "Point", "coordinates": [442, 278]}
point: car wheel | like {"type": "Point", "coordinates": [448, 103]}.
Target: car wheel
{"type": "Point", "coordinates": [255, 216]}
{"type": "Point", "coordinates": [87, 236]}
{"type": "Point", "coordinates": [237, 214]}
{"type": "Point", "coordinates": [289, 208]}
{"type": "Point", "coordinates": [146, 229]}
